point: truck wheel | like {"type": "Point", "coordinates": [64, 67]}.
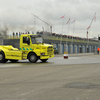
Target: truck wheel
{"type": "Point", "coordinates": [13, 61]}
{"type": "Point", "coordinates": [5, 60]}
{"type": "Point", "coordinates": [32, 58]}
{"type": "Point", "coordinates": [2, 57]}
{"type": "Point", "coordinates": [44, 60]}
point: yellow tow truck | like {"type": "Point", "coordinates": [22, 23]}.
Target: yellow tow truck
{"type": "Point", "coordinates": [31, 48]}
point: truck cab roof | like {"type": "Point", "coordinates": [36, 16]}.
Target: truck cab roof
{"type": "Point", "coordinates": [31, 35]}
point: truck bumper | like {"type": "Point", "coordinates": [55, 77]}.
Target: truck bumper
{"type": "Point", "coordinates": [46, 56]}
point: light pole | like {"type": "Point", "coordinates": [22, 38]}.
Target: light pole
{"type": "Point", "coordinates": [87, 41]}
{"type": "Point", "coordinates": [89, 28]}
{"type": "Point", "coordinates": [99, 40]}
{"type": "Point", "coordinates": [61, 34]}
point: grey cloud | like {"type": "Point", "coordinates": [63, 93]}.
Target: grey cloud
{"type": "Point", "coordinates": [51, 11]}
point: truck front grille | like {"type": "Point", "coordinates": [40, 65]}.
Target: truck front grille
{"type": "Point", "coordinates": [50, 50]}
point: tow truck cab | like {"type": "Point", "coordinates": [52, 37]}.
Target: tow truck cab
{"type": "Point", "coordinates": [31, 48]}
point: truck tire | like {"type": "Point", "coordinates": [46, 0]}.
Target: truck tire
{"type": "Point", "coordinates": [32, 58]}
{"type": "Point", "coordinates": [13, 61]}
{"type": "Point", "coordinates": [2, 58]}
{"type": "Point", "coordinates": [5, 60]}
{"type": "Point", "coordinates": [43, 60]}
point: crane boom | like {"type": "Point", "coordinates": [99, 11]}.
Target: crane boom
{"type": "Point", "coordinates": [90, 24]}
{"type": "Point", "coordinates": [92, 19]}
{"type": "Point", "coordinates": [43, 21]}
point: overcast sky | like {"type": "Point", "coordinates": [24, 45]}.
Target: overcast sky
{"type": "Point", "coordinates": [17, 15]}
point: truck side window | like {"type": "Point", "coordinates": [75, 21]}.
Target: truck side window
{"type": "Point", "coordinates": [25, 39]}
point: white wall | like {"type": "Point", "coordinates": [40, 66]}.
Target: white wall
{"type": "Point", "coordinates": [71, 48]}
{"type": "Point", "coordinates": [75, 48]}
{"type": "Point", "coordinates": [83, 49]}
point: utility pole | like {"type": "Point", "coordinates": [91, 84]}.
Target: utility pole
{"type": "Point", "coordinates": [43, 21]}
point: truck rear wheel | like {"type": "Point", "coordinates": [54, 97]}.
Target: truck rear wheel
{"type": "Point", "coordinates": [2, 58]}
{"type": "Point", "coordinates": [44, 60]}
{"type": "Point", "coordinates": [32, 58]}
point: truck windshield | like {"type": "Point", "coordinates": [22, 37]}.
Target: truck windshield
{"type": "Point", "coordinates": [36, 40]}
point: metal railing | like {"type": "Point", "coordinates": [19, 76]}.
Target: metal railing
{"type": "Point", "coordinates": [68, 40]}
{"type": "Point", "coordinates": [57, 38]}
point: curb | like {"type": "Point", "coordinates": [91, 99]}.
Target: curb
{"type": "Point", "coordinates": [76, 54]}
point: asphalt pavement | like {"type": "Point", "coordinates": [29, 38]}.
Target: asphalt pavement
{"type": "Point", "coordinates": [75, 78]}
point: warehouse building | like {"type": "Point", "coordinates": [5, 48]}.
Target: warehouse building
{"type": "Point", "coordinates": [62, 43]}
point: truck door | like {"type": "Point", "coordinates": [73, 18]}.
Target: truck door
{"type": "Point", "coordinates": [26, 43]}
{"type": "Point", "coordinates": [25, 46]}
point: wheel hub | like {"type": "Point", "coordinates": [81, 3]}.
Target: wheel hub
{"type": "Point", "coordinates": [1, 56]}
{"type": "Point", "coordinates": [32, 58]}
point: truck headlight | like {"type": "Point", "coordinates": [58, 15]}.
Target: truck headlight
{"type": "Point", "coordinates": [42, 54]}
